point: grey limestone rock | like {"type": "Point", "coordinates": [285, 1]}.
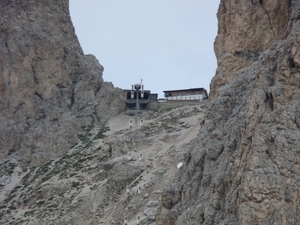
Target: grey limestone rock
{"type": "Point", "coordinates": [241, 165]}
{"type": "Point", "coordinates": [150, 213]}
{"type": "Point", "coordinates": [244, 165]}
{"type": "Point", "coordinates": [152, 203]}
{"type": "Point", "coordinates": [46, 82]}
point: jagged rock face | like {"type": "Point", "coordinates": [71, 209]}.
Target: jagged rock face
{"type": "Point", "coordinates": [44, 80]}
{"type": "Point", "coordinates": [246, 29]}
{"type": "Point", "coordinates": [244, 167]}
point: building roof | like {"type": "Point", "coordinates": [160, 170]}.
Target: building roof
{"type": "Point", "coordinates": [134, 90]}
{"type": "Point", "coordinates": [190, 89]}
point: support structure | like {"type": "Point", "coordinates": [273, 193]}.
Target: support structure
{"type": "Point", "coordinates": [137, 98]}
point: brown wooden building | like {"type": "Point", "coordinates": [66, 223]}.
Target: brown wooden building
{"type": "Point", "coordinates": [192, 94]}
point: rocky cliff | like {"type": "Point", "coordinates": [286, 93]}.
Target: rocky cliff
{"type": "Point", "coordinates": [245, 30]}
{"type": "Point", "coordinates": [244, 167]}
{"type": "Point", "coordinates": [240, 153]}
{"type": "Point", "coordinates": [117, 176]}
{"type": "Point", "coordinates": [46, 82]}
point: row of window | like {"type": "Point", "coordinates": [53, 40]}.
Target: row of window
{"type": "Point", "coordinates": [186, 93]}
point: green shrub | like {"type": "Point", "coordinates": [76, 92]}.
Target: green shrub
{"type": "Point", "coordinates": [75, 184]}
{"type": "Point", "coordinates": [40, 203]}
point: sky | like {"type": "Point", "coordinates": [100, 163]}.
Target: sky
{"type": "Point", "coordinates": [168, 44]}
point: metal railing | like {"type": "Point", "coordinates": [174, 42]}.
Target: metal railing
{"type": "Point", "coordinates": [184, 98]}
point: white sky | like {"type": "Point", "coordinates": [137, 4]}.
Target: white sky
{"type": "Point", "coordinates": [167, 43]}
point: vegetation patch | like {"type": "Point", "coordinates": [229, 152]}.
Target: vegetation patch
{"type": "Point", "coordinates": [82, 160]}
{"type": "Point", "coordinates": [15, 189]}
{"type": "Point", "coordinates": [69, 156]}
{"type": "Point", "coordinates": [101, 132]}
{"type": "Point", "coordinates": [135, 183]}
{"type": "Point", "coordinates": [51, 174]}
{"type": "Point", "coordinates": [167, 110]}
{"type": "Point", "coordinates": [165, 126]}
{"type": "Point", "coordinates": [10, 168]}
{"type": "Point", "coordinates": [10, 197]}
{"type": "Point", "coordinates": [44, 179]}
{"type": "Point", "coordinates": [25, 179]}
{"type": "Point", "coordinates": [91, 157]}
{"type": "Point", "coordinates": [73, 174]}
{"type": "Point", "coordinates": [12, 207]}
{"type": "Point", "coordinates": [87, 145]}
{"type": "Point", "coordinates": [75, 184]}
{"type": "Point", "coordinates": [77, 166]}
{"type": "Point", "coordinates": [29, 213]}
{"type": "Point", "coordinates": [40, 203]}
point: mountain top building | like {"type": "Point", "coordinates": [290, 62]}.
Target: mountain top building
{"type": "Point", "coordinates": [138, 98]}
{"type": "Point", "coordinates": [192, 94]}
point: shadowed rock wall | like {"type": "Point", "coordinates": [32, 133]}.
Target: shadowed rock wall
{"type": "Point", "coordinates": [45, 79]}
{"type": "Point", "coordinates": [244, 167]}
